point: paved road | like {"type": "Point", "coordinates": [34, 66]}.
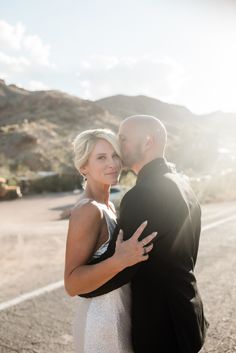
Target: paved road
{"type": "Point", "coordinates": [32, 244]}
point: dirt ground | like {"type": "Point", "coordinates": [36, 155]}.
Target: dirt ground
{"type": "Point", "coordinates": [32, 246]}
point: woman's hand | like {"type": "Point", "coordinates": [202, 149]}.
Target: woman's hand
{"type": "Point", "coordinates": [132, 251]}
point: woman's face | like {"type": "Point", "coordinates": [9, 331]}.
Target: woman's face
{"type": "Point", "coordinates": [104, 164]}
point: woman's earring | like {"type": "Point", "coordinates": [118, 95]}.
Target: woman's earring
{"type": "Point", "coordinates": [84, 180]}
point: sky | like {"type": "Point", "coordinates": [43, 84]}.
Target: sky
{"type": "Point", "coordinates": [178, 51]}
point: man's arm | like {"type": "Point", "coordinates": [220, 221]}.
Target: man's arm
{"type": "Point", "coordinates": [132, 214]}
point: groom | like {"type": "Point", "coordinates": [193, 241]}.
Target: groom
{"type": "Point", "coordinates": [167, 312]}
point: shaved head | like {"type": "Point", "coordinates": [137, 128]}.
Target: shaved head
{"type": "Point", "coordinates": [142, 138]}
{"type": "Point", "coordinates": [146, 124]}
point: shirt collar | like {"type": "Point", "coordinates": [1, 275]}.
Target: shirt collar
{"type": "Point", "coordinates": [156, 166]}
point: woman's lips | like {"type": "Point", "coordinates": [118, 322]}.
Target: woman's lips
{"type": "Point", "coordinates": [112, 173]}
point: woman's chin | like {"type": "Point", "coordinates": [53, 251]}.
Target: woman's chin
{"type": "Point", "coordinates": [115, 182]}
{"type": "Point", "coordinates": [112, 180]}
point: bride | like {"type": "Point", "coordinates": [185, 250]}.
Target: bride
{"type": "Point", "coordinates": [102, 324]}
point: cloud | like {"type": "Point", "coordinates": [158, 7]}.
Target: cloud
{"type": "Point", "coordinates": [16, 38]}
{"type": "Point", "coordinates": [99, 62]}
{"type": "Point", "coordinates": [36, 86]}
{"type": "Point", "coordinates": [210, 78]}
{"type": "Point", "coordinates": [12, 63]}
{"type": "Point", "coordinates": [101, 76]}
{"type": "Point", "coordinates": [11, 36]}
{"type": "Point", "coordinates": [39, 52]}
{"type": "Point", "coordinates": [24, 57]}
{"type": "Point", "coordinates": [3, 76]}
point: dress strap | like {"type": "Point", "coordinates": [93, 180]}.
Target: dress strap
{"type": "Point", "coordinates": [83, 201]}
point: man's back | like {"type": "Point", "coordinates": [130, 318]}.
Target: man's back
{"type": "Point", "coordinates": [167, 314]}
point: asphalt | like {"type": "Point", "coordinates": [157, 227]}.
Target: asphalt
{"type": "Point", "coordinates": [32, 246]}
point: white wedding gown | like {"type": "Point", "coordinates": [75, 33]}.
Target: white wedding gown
{"type": "Point", "coordinates": [102, 324]}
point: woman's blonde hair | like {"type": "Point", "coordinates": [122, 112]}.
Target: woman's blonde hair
{"type": "Point", "coordinates": [85, 141]}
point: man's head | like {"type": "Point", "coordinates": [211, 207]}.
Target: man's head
{"type": "Point", "coordinates": [142, 139]}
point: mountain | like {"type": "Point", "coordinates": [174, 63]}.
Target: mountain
{"type": "Point", "coordinates": [37, 128]}
{"type": "Point", "coordinates": [122, 106]}
{"type": "Point", "coordinates": [172, 115]}
{"type": "Point", "coordinates": [196, 142]}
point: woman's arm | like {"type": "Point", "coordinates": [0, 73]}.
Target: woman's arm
{"type": "Point", "coordinates": [82, 237]}
{"type": "Point", "coordinates": [84, 228]}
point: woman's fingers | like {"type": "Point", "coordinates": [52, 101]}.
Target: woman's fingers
{"type": "Point", "coordinates": [120, 236]}
{"type": "Point", "coordinates": [147, 249]}
{"type": "Point", "coordinates": [148, 238]}
{"type": "Point", "coordinates": [132, 250]}
{"type": "Point", "coordinates": [139, 231]}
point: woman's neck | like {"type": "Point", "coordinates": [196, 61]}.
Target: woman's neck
{"type": "Point", "coordinates": [99, 193]}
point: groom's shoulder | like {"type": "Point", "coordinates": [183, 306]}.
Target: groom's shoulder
{"type": "Point", "coordinates": [135, 195]}
{"type": "Point", "coordinates": [169, 185]}
{"type": "Point", "coordinates": [129, 195]}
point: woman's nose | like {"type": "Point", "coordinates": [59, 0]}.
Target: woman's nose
{"type": "Point", "coordinates": [112, 162]}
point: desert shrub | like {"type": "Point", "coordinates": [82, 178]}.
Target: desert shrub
{"type": "Point", "coordinates": [55, 183]}
{"type": "Point", "coordinates": [215, 188]}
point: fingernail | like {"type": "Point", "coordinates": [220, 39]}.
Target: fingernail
{"type": "Point", "coordinates": [155, 233]}
{"type": "Point", "coordinates": [145, 222]}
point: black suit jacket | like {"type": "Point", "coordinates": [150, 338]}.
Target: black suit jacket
{"type": "Point", "coordinates": [167, 311]}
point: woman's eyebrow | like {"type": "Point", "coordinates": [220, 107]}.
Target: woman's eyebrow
{"type": "Point", "coordinates": [101, 154]}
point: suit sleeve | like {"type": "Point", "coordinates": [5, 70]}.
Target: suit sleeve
{"type": "Point", "coordinates": [132, 214]}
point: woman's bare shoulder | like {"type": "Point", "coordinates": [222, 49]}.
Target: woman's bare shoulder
{"type": "Point", "coordinates": [86, 208]}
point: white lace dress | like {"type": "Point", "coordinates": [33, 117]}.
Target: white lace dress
{"type": "Point", "coordinates": [102, 324]}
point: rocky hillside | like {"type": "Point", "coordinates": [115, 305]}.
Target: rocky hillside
{"type": "Point", "coordinates": [201, 143]}
{"type": "Point", "coordinates": [36, 130]}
